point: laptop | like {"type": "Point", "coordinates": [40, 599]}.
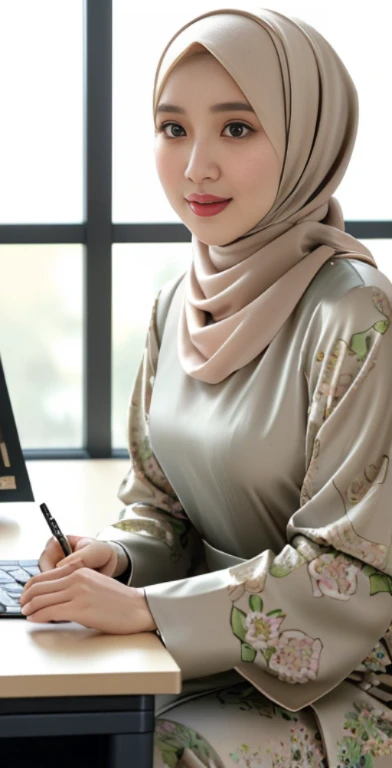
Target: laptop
{"type": "Point", "coordinates": [14, 487]}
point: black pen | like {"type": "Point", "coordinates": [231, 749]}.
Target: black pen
{"type": "Point", "coordinates": [56, 530]}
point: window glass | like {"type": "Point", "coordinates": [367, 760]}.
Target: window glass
{"type": "Point", "coordinates": [41, 341]}
{"type": "Point", "coordinates": [139, 271]}
{"type": "Point", "coordinates": [41, 95]}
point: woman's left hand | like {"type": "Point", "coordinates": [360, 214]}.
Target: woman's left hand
{"type": "Point", "coordinates": [75, 593]}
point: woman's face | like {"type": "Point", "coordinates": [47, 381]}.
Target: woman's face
{"type": "Point", "coordinates": [225, 153]}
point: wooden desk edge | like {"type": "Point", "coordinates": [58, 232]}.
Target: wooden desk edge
{"type": "Point", "coordinates": [115, 684]}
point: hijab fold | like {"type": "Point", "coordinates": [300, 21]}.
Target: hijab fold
{"type": "Point", "coordinates": [308, 106]}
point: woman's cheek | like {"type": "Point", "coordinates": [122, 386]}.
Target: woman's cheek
{"type": "Point", "coordinates": [166, 171]}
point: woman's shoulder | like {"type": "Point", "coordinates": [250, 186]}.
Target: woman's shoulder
{"type": "Point", "coordinates": [348, 298]}
{"type": "Point", "coordinates": [345, 283]}
{"type": "Point", "coordinates": [371, 277]}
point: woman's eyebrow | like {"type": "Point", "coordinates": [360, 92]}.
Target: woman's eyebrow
{"type": "Point", "coordinates": [226, 106]}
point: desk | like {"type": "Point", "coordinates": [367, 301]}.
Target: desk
{"type": "Point", "coordinates": [67, 680]}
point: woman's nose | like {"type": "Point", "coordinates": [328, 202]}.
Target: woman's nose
{"type": "Point", "coordinates": [201, 164]}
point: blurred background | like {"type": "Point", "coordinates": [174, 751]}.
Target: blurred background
{"type": "Point", "coordinates": [45, 320]}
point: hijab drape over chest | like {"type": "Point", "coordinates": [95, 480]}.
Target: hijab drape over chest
{"type": "Point", "coordinates": [307, 103]}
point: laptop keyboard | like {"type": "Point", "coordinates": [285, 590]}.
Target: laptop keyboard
{"type": "Point", "coordinates": [13, 577]}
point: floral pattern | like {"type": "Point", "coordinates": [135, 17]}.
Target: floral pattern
{"type": "Point", "coordinates": [287, 561]}
{"type": "Point", "coordinates": [304, 748]}
{"type": "Point", "coordinates": [342, 536]}
{"type": "Point", "coordinates": [341, 367]}
{"type": "Point", "coordinates": [307, 485]}
{"type": "Point", "coordinates": [247, 577]}
{"type": "Point", "coordinates": [290, 655]}
{"type": "Point", "coordinates": [245, 698]}
{"type": "Point", "coordinates": [159, 529]}
{"type": "Point", "coordinates": [367, 675]}
{"type": "Point", "coordinates": [368, 734]}
{"type": "Point", "coordinates": [304, 751]}
{"type": "Point", "coordinates": [333, 383]}
{"type": "Point", "coordinates": [175, 740]}
{"type": "Point", "coordinates": [376, 661]}
{"type": "Point", "coordinates": [262, 630]}
{"type": "Point", "coordinates": [296, 658]}
{"type": "Point", "coordinates": [333, 575]}
{"type": "Point", "coordinates": [373, 474]}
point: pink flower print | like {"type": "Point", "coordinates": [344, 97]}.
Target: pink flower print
{"type": "Point", "coordinates": [338, 389]}
{"type": "Point", "coordinates": [361, 484]}
{"type": "Point", "coordinates": [363, 549]}
{"type": "Point", "coordinates": [247, 757]}
{"type": "Point", "coordinates": [344, 382]}
{"type": "Point", "coordinates": [262, 630]}
{"type": "Point", "coordinates": [376, 661]}
{"type": "Point", "coordinates": [333, 576]}
{"type": "Point", "coordinates": [342, 536]}
{"type": "Point", "coordinates": [296, 659]}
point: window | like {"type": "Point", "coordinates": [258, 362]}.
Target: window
{"type": "Point", "coordinates": [41, 92]}
{"type": "Point", "coordinates": [41, 341]}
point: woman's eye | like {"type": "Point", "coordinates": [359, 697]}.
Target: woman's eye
{"type": "Point", "coordinates": [162, 128]}
{"type": "Point", "coordinates": [234, 125]}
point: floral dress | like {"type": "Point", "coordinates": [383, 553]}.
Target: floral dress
{"type": "Point", "coordinates": [258, 519]}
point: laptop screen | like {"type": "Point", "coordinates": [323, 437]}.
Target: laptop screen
{"type": "Point", "coordinates": [14, 479]}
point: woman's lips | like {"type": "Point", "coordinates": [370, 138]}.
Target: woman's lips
{"type": "Point", "coordinates": [208, 209]}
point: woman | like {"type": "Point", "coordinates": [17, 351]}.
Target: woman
{"type": "Point", "coordinates": [256, 536]}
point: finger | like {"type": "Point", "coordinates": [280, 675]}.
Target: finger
{"type": "Point", "coordinates": [60, 612]}
{"type": "Point", "coordinates": [53, 552]}
{"type": "Point", "coordinates": [54, 575]}
{"type": "Point", "coordinates": [73, 540]}
{"type": "Point", "coordinates": [74, 559]}
{"type": "Point", "coordinates": [50, 556]}
{"type": "Point", "coordinates": [39, 602]}
{"type": "Point", "coordinates": [84, 542]}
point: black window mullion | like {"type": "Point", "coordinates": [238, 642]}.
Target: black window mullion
{"type": "Point", "coordinates": [98, 201]}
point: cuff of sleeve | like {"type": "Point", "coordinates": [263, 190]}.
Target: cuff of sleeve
{"type": "Point", "coordinates": [152, 561]}
{"type": "Point", "coordinates": [123, 572]}
{"type": "Point", "coordinates": [199, 646]}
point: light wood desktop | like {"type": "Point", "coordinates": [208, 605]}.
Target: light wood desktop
{"type": "Point", "coordinates": [69, 660]}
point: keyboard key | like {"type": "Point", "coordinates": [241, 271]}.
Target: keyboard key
{"type": "Point", "coordinates": [19, 575]}
{"type": "Point", "coordinates": [28, 563]}
{"type": "Point", "coordinates": [32, 571]}
{"type": "Point", "coordinates": [4, 577]}
{"type": "Point", "coordinates": [6, 599]}
{"type": "Point", "coordinates": [14, 588]}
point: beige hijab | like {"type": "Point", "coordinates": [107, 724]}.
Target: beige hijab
{"type": "Point", "coordinates": [308, 106]}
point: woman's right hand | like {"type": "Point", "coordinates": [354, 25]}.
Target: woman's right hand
{"type": "Point", "coordinates": [101, 556]}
